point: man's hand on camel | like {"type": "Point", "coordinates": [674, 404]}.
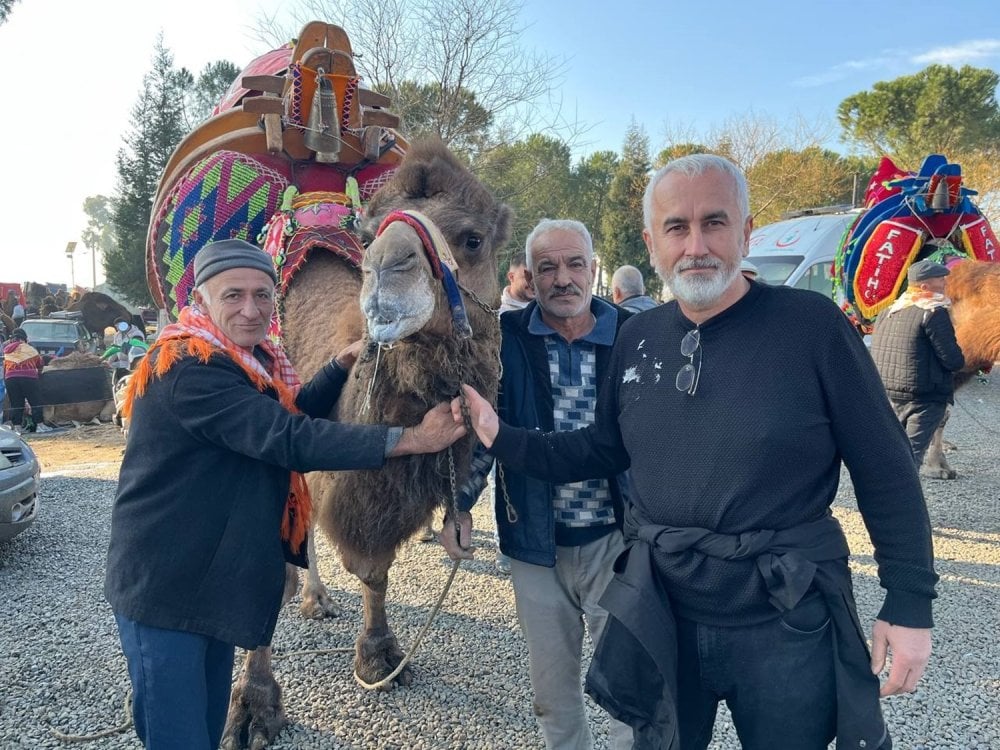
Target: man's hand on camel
{"type": "Point", "coordinates": [485, 421]}
{"type": "Point", "coordinates": [435, 432]}
{"type": "Point", "coordinates": [457, 545]}
{"type": "Point", "coordinates": [349, 355]}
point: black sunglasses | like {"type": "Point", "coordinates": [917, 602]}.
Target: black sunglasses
{"type": "Point", "coordinates": [687, 376]}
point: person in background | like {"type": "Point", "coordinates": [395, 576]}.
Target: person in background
{"type": "Point", "coordinates": [519, 290]}
{"type": "Point", "coordinates": [561, 538]}
{"type": "Point", "coordinates": [118, 356]}
{"type": "Point", "coordinates": [916, 354]}
{"type": "Point", "coordinates": [22, 367]}
{"type": "Point", "coordinates": [749, 270]}
{"type": "Point", "coordinates": [211, 497]}
{"type": "Point", "coordinates": [735, 584]}
{"type": "Point", "coordinates": [628, 290]}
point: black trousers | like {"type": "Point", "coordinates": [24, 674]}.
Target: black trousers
{"type": "Point", "coordinates": [920, 419]}
{"type": "Point", "coordinates": [20, 390]}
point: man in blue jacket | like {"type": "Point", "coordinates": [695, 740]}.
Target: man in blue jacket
{"type": "Point", "coordinates": [211, 494]}
{"type": "Point", "coordinates": [561, 538]}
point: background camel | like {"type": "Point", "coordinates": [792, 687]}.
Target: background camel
{"type": "Point", "coordinates": [416, 358]}
{"type": "Point", "coordinates": [974, 289]}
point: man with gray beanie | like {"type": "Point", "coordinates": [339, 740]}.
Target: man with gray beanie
{"type": "Point", "coordinates": [916, 354]}
{"type": "Point", "coordinates": [211, 498]}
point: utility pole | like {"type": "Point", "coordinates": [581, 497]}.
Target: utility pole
{"type": "Point", "coordinates": [70, 248]}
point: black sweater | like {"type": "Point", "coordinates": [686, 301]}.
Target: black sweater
{"type": "Point", "coordinates": [195, 541]}
{"type": "Point", "coordinates": [787, 392]}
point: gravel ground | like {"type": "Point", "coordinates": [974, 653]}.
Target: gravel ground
{"type": "Point", "coordinates": [61, 666]}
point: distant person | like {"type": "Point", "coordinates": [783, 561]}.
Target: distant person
{"type": "Point", "coordinates": [22, 367]}
{"type": "Point", "coordinates": [519, 290]}
{"type": "Point", "coordinates": [916, 354]}
{"type": "Point", "coordinates": [749, 270]}
{"type": "Point", "coordinates": [628, 290]}
{"type": "Point", "coordinates": [119, 355]}
{"type": "Point", "coordinates": [9, 301]}
{"type": "Point", "coordinates": [18, 313]}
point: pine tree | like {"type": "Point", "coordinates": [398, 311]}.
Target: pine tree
{"type": "Point", "coordinates": [157, 127]}
{"type": "Point", "coordinates": [622, 221]}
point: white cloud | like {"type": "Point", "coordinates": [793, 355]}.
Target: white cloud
{"type": "Point", "coordinates": [840, 71]}
{"type": "Point", "coordinates": [958, 54]}
{"type": "Point", "coordinates": [969, 51]}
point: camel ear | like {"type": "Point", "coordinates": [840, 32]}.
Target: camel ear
{"type": "Point", "coordinates": [502, 226]}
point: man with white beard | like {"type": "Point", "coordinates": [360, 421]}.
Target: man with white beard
{"type": "Point", "coordinates": [734, 407]}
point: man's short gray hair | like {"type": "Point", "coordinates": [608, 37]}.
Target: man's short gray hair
{"type": "Point", "coordinates": [629, 281]}
{"type": "Point", "coordinates": [692, 166]}
{"type": "Point", "coordinates": [552, 225]}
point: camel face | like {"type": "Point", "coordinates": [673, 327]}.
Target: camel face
{"type": "Point", "coordinates": [398, 292]}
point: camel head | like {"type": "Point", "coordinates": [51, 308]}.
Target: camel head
{"type": "Point", "coordinates": [402, 292]}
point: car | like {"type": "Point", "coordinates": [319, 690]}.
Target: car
{"type": "Point", "coordinates": [57, 336]}
{"type": "Point", "coordinates": [799, 250]}
{"type": "Point", "coordinates": [19, 497]}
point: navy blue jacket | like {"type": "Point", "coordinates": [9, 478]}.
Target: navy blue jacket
{"type": "Point", "coordinates": [525, 400]}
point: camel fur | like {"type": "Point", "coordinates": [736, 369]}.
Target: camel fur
{"type": "Point", "coordinates": [413, 361]}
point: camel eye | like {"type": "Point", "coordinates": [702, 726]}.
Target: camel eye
{"type": "Point", "coordinates": [473, 242]}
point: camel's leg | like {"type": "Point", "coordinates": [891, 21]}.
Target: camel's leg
{"type": "Point", "coordinates": [316, 601]}
{"type": "Point", "coordinates": [255, 711]}
{"type": "Point", "coordinates": [377, 652]}
{"type": "Point", "coordinates": [935, 465]}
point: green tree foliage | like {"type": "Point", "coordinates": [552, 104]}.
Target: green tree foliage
{"type": "Point", "coordinates": [677, 150]}
{"type": "Point", "coordinates": [454, 116]}
{"type": "Point", "coordinates": [99, 235]}
{"type": "Point", "coordinates": [938, 110]}
{"type": "Point", "coordinates": [534, 177]}
{"type": "Point", "coordinates": [6, 6]}
{"type": "Point", "coordinates": [207, 90]}
{"type": "Point", "coordinates": [157, 126]}
{"type": "Point", "coordinates": [590, 193]}
{"type": "Point", "coordinates": [622, 222]}
{"type": "Point", "coordinates": [786, 180]}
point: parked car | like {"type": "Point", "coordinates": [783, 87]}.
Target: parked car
{"type": "Point", "coordinates": [799, 250]}
{"type": "Point", "coordinates": [18, 485]}
{"type": "Point", "coordinates": [57, 336]}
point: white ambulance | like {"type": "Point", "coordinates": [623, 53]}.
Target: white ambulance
{"type": "Point", "coordinates": [799, 250]}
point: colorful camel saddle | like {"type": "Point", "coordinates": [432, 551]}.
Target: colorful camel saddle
{"type": "Point", "coordinates": [292, 153]}
{"type": "Point", "coordinates": [909, 217]}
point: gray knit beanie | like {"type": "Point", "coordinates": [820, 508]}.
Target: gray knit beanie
{"type": "Point", "coordinates": [216, 257]}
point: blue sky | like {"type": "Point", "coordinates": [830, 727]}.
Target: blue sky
{"type": "Point", "coordinates": [693, 65]}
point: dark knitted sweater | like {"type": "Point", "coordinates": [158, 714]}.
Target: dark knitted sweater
{"type": "Point", "coordinates": [195, 540]}
{"type": "Point", "coordinates": [787, 392]}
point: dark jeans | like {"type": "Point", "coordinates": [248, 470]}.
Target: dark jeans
{"type": "Point", "coordinates": [777, 679]}
{"type": "Point", "coordinates": [180, 686]}
{"type": "Point", "coordinates": [20, 390]}
{"type": "Point", "coordinates": [920, 419]}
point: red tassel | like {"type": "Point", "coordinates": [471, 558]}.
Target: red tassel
{"type": "Point", "coordinates": [298, 513]}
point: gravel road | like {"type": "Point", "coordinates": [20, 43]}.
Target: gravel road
{"type": "Point", "coordinates": [60, 665]}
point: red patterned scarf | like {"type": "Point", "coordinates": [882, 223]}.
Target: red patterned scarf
{"type": "Point", "coordinates": [195, 335]}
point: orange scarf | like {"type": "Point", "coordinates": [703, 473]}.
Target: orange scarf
{"type": "Point", "coordinates": [195, 335]}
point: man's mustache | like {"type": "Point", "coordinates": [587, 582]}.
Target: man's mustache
{"type": "Point", "coordinates": [689, 263]}
{"type": "Point", "coordinates": [567, 291]}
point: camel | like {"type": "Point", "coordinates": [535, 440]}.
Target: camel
{"type": "Point", "coordinates": [99, 311]}
{"type": "Point", "coordinates": [416, 357]}
{"type": "Point", "coordinates": [974, 289]}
